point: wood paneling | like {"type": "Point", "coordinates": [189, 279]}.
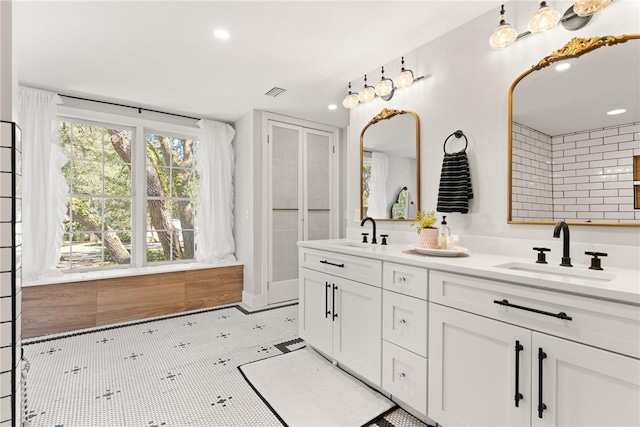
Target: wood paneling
{"type": "Point", "coordinates": [204, 289]}
{"type": "Point", "coordinates": [139, 297]}
{"type": "Point", "coordinates": [58, 308]}
{"type": "Point", "coordinates": [66, 307]}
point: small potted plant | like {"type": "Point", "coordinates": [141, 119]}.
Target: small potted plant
{"type": "Point", "coordinates": [428, 233]}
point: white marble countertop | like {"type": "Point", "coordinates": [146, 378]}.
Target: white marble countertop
{"type": "Point", "coordinates": [616, 284]}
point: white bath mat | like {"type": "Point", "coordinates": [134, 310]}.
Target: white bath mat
{"type": "Point", "coordinates": [304, 389]}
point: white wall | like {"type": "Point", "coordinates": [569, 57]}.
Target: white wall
{"type": "Point", "coordinates": [247, 205]}
{"type": "Point", "coordinates": [466, 87]}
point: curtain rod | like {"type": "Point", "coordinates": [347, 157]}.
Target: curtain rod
{"type": "Point", "coordinates": [128, 106]}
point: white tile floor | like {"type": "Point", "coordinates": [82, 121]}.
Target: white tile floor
{"type": "Point", "coordinates": [177, 371]}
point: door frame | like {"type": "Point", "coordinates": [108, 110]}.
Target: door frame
{"type": "Point", "coordinates": [265, 186]}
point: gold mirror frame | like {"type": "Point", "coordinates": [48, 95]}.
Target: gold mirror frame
{"type": "Point", "coordinates": [575, 48]}
{"type": "Point", "coordinates": [386, 114]}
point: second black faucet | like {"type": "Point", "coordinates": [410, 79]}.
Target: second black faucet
{"type": "Point", "coordinates": [373, 222]}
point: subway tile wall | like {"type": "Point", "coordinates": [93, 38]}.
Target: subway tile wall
{"type": "Point", "coordinates": [593, 174]}
{"type": "Point", "coordinates": [10, 274]}
{"type": "Point", "coordinates": [531, 176]}
{"type": "Point", "coordinates": [582, 176]}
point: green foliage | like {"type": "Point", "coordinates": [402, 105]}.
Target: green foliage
{"type": "Point", "coordinates": [424, 220]}
{"type": "Point", "coordinates": [100, 183]}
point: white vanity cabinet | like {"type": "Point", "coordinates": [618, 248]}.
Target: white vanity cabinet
{"type": "Point", "coordinates": [404, 333]}
{"type": "Point", "coordinates": [494, 362]}
{"type": "Point", "coordinates": [340, 309]}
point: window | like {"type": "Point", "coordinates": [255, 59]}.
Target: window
{"type": "Point", "coordinates": [172, 188]}
{"type": "Point", "coordinates": [97, 228]}
{"type": "Point", "coordinates": [105, 198]}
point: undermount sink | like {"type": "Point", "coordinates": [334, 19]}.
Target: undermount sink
{"type": "Point", "coordinates": [355, 245]}
{"type": "Point", "coordinates": [557, 272]}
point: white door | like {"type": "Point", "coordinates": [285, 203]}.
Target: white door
{"type": "Point", "coordinates": [472, 370]}
{"type": "Point", "coordinates": [301, 202]}
{"type": "Point", "coordinates": [357, 331]}
{"type": "Point", "coordinates": [316, 309]}
{"type": "Point", "coordinates": [583, 386]}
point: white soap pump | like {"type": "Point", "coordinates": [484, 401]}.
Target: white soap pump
{"type": "Point", "coordinates": [443, 234]}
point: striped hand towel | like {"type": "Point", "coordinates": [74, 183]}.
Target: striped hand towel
{"type": "Point", "coordinates": [455, 184]}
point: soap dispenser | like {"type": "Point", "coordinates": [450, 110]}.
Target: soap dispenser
{"type": "Point", "coordinates": [443, 234]}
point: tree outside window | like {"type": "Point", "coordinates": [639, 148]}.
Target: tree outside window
{"type": "Point", "coordinates": [102, 199]}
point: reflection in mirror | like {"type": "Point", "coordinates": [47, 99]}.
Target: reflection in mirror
{"type": "Point", "coordinates": [571, 158]}
{"type": "Point", "coordinates": [390, 166]}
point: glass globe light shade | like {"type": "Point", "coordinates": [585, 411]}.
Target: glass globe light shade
{"type": "Point", "coordinates": [367, 94]}
{"type": "Point", "coordinates": [544, 19]}
{"type": "Point", "coordinates": [503, 36]}
{"type": "Point", "coordinates": [351, 100]}
{"type": "Point", "coordinates": [404, 79]}
{"type": "Point", "coordinates": [384, 87]}
{"type": "Point", "coordinates": [589, 7]}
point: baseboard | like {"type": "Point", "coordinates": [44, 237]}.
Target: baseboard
{"type": "Point", "coordinates": [254, 301]}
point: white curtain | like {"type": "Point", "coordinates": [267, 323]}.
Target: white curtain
{"type": "Point", "coordinates": [214, 212]}
{"type": "Point", "coordinates": [44, 188]}
{"type": "Point", "coordinates": [378, 186]}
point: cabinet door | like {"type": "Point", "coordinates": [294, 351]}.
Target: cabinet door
{"type": "Point", "coordinates": [472, 370]}
{"type": "Point", "coordinates": [357, 333]}
{"type": "Point", "coordinates": [315, 309]}
{"type": "Point", "coordinates": [583, 386]}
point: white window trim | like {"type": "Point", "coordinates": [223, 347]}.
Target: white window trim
{"type": "Point", "coordinates": [140, 126]}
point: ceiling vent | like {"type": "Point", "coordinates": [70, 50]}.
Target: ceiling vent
{"type": "Point", "coordinates": [275, 91]}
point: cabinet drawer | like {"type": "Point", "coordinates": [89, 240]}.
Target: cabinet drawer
{"type": "Point", "coordinates": [360, 269]}
{"type": "Point", "coordinates": [600, 323]}
{"type": "Point", "coordinates": [404, 375]}
{"type": "Point", "coordinates": [406, 280]}
{"type": "Point", "coordinates": [404, 321]}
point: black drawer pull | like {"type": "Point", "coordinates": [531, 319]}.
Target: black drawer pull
{"type": "Point", "coordinates": [330, 263]}
{"type": "Point", "coordinates": [541, 406]}
{"type": "Point", "coordinates": [562, 315]}
{"type": "Point", "coordinates": [326, 299]}
{"type": "Point", "coordinates": [518, 395]}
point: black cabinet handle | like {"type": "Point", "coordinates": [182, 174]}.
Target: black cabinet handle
{"type": "Point", "coordinates": [326, 300]}
{"type": "Point", "coordinates": [335, 288]}
{"type": "Point", "coordinates": [518, 395]}
{"type": "Point", "coordinates": [541, 406]}
{"type": "Point", "coordinates": [330, 263]}
{"type": "Point", "coordinates": [562, 315]}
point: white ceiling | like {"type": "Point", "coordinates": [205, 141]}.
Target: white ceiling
{"type": "Point", "coordinates": [162, 54]}
{"type": "Point", "coordinates": [560, 102]}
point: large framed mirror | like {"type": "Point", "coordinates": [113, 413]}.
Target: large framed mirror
{"type": "Point", "coordinates": [390, 166]}
{"type": "Point", "coordinates": [574, 136]}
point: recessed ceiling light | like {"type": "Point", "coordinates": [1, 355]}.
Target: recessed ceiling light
{"type": "Point", "coordinates": [563, 66]}
{"type": "Point", "coordinates": [221, 34]}
{"type": "Point", "coordinates": [332, 106]}
{"type": "Point", "coordinates": [616, 112]}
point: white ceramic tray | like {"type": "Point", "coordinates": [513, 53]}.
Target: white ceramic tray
{"type": "Point", "coordinates": [455, 251]}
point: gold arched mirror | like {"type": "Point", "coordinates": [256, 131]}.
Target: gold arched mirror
{"type": "Point", "coordinates": [571, 157]}
{"type": "Point", "coordinates": [390, 166]}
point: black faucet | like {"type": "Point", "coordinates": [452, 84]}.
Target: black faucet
{"type": "Point", "coordinates": [566, 258]}
{"type": "Point", "coordinates": [373, 221]}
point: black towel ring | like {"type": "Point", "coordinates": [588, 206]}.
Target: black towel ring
{"type": "Point", "coordinates": [457, 134]}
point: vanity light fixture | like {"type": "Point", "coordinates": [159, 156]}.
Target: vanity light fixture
{"type": "Point", "coordinates": [384, 88]}
{"type": "Point", "coordinates": [351, 100]}
{"type": "Point", "coordinates": [504, 35]}
{"type": "Point", "coordinates": [544, 19]}
{"type": "Point", "coordinates": [367, 93]}
{"type": "Point", "coordinates": [616, 112]}
{"type": "Point", "coordinates": [405, 77]}
{"type": "Point", "coordinates": [589, 7]}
